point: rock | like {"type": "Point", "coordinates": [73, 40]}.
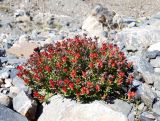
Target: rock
{"type": "Point", "coordinates": [60, 109]}
{"type": "Point", "coordinates": [8, 83]}
{"type": "Point", "coordinates": [121, 106]}
{"type": "Point", "coordinates": [136, 83]}
{"type": "Point", "coordinates": [157, 70]}
{"type": "Point", "coordinates": [18, 82]}
{"type": "Point", "coordinates": [155, 46]}
{"type": "Point", "coordinates": [23, 48]}
{"type": "Point", "coordinates": [152, 54]}
{"type": "Point", "coordinates": [131, 116]}
{"type": "Point", "coordinates": [157, 83]}
{"type": "Point", "coordinates": [155, 62]}
{"type": "Point", "coordinates": [5, 100]}
{"type": "Point", "coordinates": [156, 16]}
{"type": "Point", "coordinates": [149, 78]}
{"type": "Point", "coordinates": [141, 107]}
{"type": "Point", "coordinates": [138, 38]}
{"type": "Point", "coordinates": [14, 91]}
{"type": "Point", "coordinates": [147, 95]}
{"type": "Point", "coordinates": [24, 105]}
{"type": "Point", "coordinates": [2, 52]}
{"type": "Point", "coordinates": [156, 107]}
{"type": "Point", "coordinates": [140, 64]}
{"type": "Point", "coordinates": [4, 73]}
{"type": "Point", "coordinates": [7, 114]}
{"type": "Point", "coordinates": [147, 116]}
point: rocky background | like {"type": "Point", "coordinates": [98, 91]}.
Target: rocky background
{"type": "Point", "coordinates": [133, 25]}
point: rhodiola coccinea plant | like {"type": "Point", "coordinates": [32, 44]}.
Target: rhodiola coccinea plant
{"type": "Point", "coordinates": [78, 69]}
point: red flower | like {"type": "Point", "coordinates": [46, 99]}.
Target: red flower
{"type": "Point", "coordinates": [66, 81]}
{"type": "Point", "coordinates": [78, 81]}
{"type": "Point", "coordinates": [74, 60]}
{"type": "Point", "coordinates": [93, 55]}
{"type": "Point", "coordinates": [52, 83]}
{"type": "Point", "coordinates": [58, 65]}
{"type": "Point", "coordinates": [77, 56]}
{"type": "Point", "coordinates": [64, 90]}
{"type": "Point", "coordinates": [26, 81]}
{"type": "Point", "coordinates": [64, 58]}
{"type": "Point", "coordinates": [100, 64]}
{"type": "Point", "coordinates": [19, 68]}
{"type": "Point", "coordinates": [19, 74]}
{"type": "Point", "coordinates": [131, 94]}
{"type": "Point", "coordinates": [121, 74]}
{"type": "Point", "coordinates": [91, 65]}
{"type": "Point", "coordinates": [97, 88]}
{"type": "Point", "coordinates": [36, 94]}
{"type": "Point", "coordinates": [89, 84]}
{"type": "Point", "coordinates": [84, 90]}
{"type": "Point", "coordinates": [65, 70]}
{"type": "Point", "coordinates": [71, 86]}
{"type": "Point", "coordinates": [84, 74]}
{"type": "Point", "coordinates": [47, 68]}
{"type": "Point", "coordinates": [73, 74]}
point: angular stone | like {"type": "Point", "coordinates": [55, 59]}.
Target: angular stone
{"type": "Point", "coordinates": [5, 100]}
{"type": "Point", "coordinates": [147, 95]}
{"type": "Point", "coordinates": [60, 109]}
{"type": "Point", "coordinates": [141, 64]}
{"type": "Point", "coordinates": [156, 107]}
{"type": "Point", "coordinates": [152, 54]}
{"type": "Point", "coordinates": [149, 78]}
{"type": "Point", "coordinates": [7, 114]}
{"type": "Point", "coordinates": [139, 38]}
{"type": "Point", "coordinates": [157, 70]}
{"type": "Point", "coordinates": [157, 83]}
{"type": "Point", "coordinates": [155, 46]}
{"type": "Point", "coordinates": [121, 106]}
{"type": "Point", "coordinates": [155, 62]}
{"type": "Point", "coordinates": [23, 48]}
{"type": "Point", "coordinates": [25, 105]}
{"type": "Point", "coordinates": [147, 116]}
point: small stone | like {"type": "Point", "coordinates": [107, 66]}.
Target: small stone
{"type": "Point", "coordinates": [149, 78]}
{"type": "Point", "coordinates": [157, 70]}
{"type": "Point", "coordinates": [25, 105]}
{"type": "Point", "coordinates": [147, 116]}
{"type": "Point", "coordinates": [156, 107]}
{"type": "Point", "coordinates": [121, 106]}
{"type": "Point", "coordinates": [4, 73]}
{"type": "Point", "coordinates": [146, 94]}
{"type": "Point", "coordinates": [14, 91]}
{"type": "Point", "coordinates": [8, 83]}
{"type": "Point", "coordinates": [141, 107]}
{"type": "Point", "coordinates": [157, 84]}
{"type": "Point", "coordinates": [155, 62]}
{"type": "Point", "coordinates": [154, 47]}
{"type": "Point", "coordinates": [5, 100]}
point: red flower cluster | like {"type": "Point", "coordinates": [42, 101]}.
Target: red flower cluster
{"type": "Point", "coordinates": [79, 69]}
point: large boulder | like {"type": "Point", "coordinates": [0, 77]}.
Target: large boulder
{"type": "Point", "coordinates": [60, 109]}
{"type": "Point", "coordinates": [7, 114]}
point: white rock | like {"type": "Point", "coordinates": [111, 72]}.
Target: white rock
{"type": "Point", "coordinates": [24, 105]}
{"type": "Point", "coordinates": [60, 109]}
{"type": "Point", "coordinates": [5, 100]}
{"type": "Point", "coordinates": [155, 46]}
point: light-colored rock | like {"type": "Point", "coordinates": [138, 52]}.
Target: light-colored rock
{"type": "Point", "coordinates": [14, 91]}
{"type": "Point", "coordinates": [147, 116]}
{"type": "Point", "coordinates": [5, 100]}
{"type": "Point", "coordinates": [154, 47]}
{"type": "Point", "coordinates": [23, 48]}
{"type": "Point", "coordinates": [141, 64]}
{"type": "Point", "coordinates": [139, 38]}
{"type": "Point", "coordinates": [146, 94]}
{"type": "Point", "coordinates": [156, 107]}
{"type": "Point", "coordinates": [121, 106]}
{"type": "Point", "coordinates": [149, 78]}
{"type": "Point", "coordinates": [25, 105]}
{"type": "Point", "coordinates": [155, 62]}
{"type": "Point", "coordinates": [60, 109]}
{"type": "Point", "coordinates": [157, 70]}
{"type": "Point", "coordinates": [8, 83]}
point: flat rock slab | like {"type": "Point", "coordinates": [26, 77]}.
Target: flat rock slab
{"type": "Point", "coordinates": [60, 109]}
{"type": "Point", "coordinates": [7, 114]}
{"type": "Point", "coordinates": [23, 48]}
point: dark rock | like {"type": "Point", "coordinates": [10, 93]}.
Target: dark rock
{"type": "Point", "coordinates": [7, 114]}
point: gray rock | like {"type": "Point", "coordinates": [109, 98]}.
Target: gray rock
{"type": "Point", "coordinates": [140, 64]}
{"type": "Point", "coordinates": [141, 107]}
{"type": "Point", "coordinates": [60, 109]}
{"type": "Point", "coordinates": [149, 78]}
{"type": "Point", "coordinates": [156, 108]}
{"type": "Point", "coordinates": [155, 62]}
{"type": "Point", "coordinates": [139, 38]}
{"type": "Point", "coordinates": [25, 105]}
{"type": "Point", "coordinates": [7, 114]}
{"type": "Point", "coordinates": [121, 106]}
{"type": "Point", "coordinates": [156, 16]}
{"type": "Point", "coordinates": [5, 100]}
{"type": "Point", "coordinates": [136, 83]}
{"type": "Point", "coordinates": [146, 94]}
{"type": "Point", "coordinates": [152, 54]}
{"type": "Point", "coordinates": [14, 91]}
{"type": "Point", "coordinates": [147, 116]}
{"type": "Point", "coordinates": [157, 83]}
{"type": "Point", "coordinates": [4, 73]}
